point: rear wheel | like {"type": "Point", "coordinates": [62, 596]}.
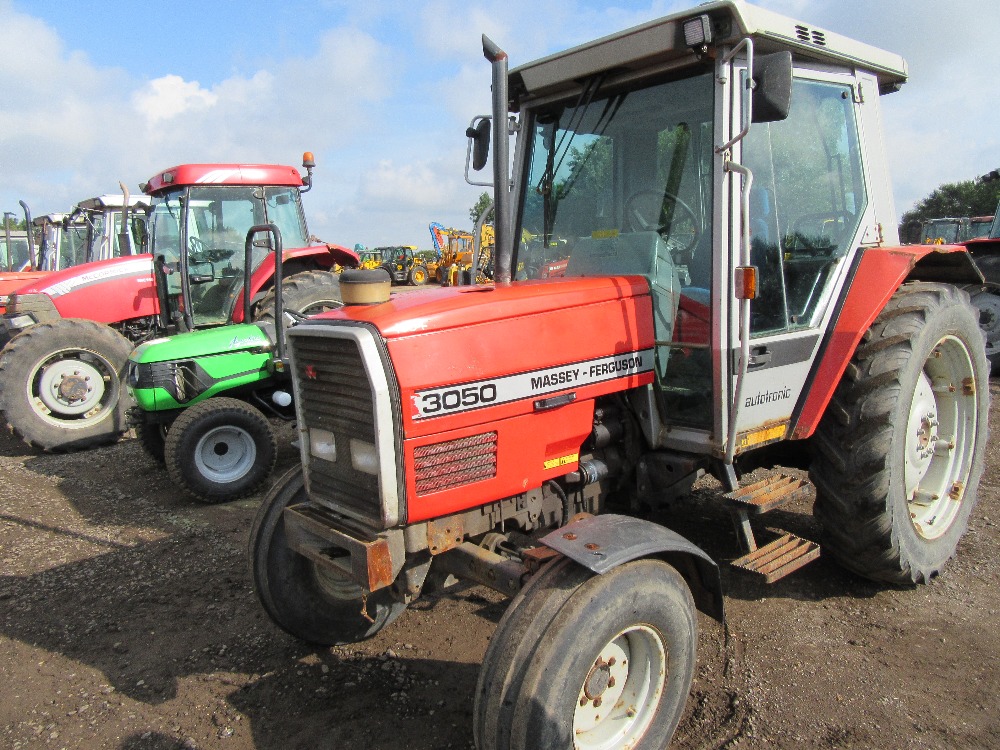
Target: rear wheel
{"type": "Point", "coordinates": [588, 661]}
{"type": "Point", "coordinates": [152, 438]}
{"type": "Point", "coordinates": [900, 447]}
{"type": "Point", "coordinates": [303, 598]}
{"type": "Point", "coordinates": [988, 304]}
{"type": "Point", "coordinates": [61, 384]}
{"type": "Point", "coordinates": [220, 449]}
{"type": "Point", "coordinates": [307, 293]}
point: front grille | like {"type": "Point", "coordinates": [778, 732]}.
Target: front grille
{"type": "Point", "coordinates": [454, 463]}
{"type": "Point", "coordinates": [334, 394]}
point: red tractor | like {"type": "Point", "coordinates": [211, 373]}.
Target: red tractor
{"type": "Point", "coordinates": [733, 298]}
{"type": "Point", "coordinates": [72, 331]}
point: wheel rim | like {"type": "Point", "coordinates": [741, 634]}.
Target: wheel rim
{"type": "Point", "coordinates": [73, 386]}
{"type": "Point", "coordinates": [941, 430]}
{"type": "Point", "coordinates": [335, 586]}
{"type": "Point", "coordinates": [988, 305]}
{"type": "Point", "coordinates": [620, 695]}
{"type": "Point", "coordinates": [321, 307]}
{"type": "Point", "coordinates": [225, 454]}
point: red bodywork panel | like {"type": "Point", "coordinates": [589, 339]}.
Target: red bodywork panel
{"type": "Point", "coordinates": [120, 289]}
{"type": "Point", "coordinates": [224, 174]}
{"type": "Point", "coordinates": [14, 280]}
{"type": "Point", "coordinates": [530, 342]}
{"type": "Point", "coordinates": [880, 273]}
{"type": "Point", "coordinates": [108, 291]}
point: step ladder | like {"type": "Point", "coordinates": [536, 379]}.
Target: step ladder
{"type": "Point", "coordinates": [788, 552]}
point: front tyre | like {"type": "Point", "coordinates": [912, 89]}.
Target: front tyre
{"type": "Point", "coordinates": [302, 598]}
{"type": "Point", "coordinates": [900, 447]}
{"type": "Point", "coordinates": [590, 662]}
{"type": "Point", "coordinates": [220, 449]}
{"type": "Point", "coordinates": [61, 384]}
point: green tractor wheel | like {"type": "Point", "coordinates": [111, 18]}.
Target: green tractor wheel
{"type": "Point", "coordinates": [220, 449]}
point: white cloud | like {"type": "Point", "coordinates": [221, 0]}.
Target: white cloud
{"type": "Point", "coordinates": [171, 96]}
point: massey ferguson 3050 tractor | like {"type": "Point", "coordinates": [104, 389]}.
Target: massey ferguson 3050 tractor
{"type": "Point", "coordinates": [732, 297]}
{"type": "Point", "coordinates": [60, 376]}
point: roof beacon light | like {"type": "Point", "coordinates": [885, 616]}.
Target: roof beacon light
{"type": "Point", "coordinates": [698, 33]}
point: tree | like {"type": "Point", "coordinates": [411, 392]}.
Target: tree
{"type": "Point", "coordinates": [485, 199]}
{"type": "Point", "coordinates": [977, 197]}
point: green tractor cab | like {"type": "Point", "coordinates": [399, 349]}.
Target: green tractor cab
{"type": "Point", "coordinates": [205, 398]}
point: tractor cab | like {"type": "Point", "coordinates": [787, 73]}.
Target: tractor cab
{"type": "Point", "coordinates": [715, 190]}
{"type": "Point", "coordinates": [197, 230]}
{"type": "Point", "coordinates": [63, 240]}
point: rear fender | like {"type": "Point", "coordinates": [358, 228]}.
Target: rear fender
{"type": "Point", "coordinates": [600, 543]}
{"type": "Point", "coordinates": [877, 274]}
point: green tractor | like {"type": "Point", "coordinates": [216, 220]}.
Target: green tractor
{"type": "Point", "coordinates": [205, 398]}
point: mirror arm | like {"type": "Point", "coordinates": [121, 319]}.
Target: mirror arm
{"type": "Point", "coordinates": [747, 99]}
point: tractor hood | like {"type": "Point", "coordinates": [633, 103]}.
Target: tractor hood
{"type": "Point", "coordinates": [528, 339]}
{"type": "Point", "coordinates": [244, 337]}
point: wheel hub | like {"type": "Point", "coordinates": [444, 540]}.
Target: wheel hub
{"type": "Point", "coordinates": [939, 439]}
{"type": "Point", "coordinates": [70, 387]}
{"type": "Point", "coordinates": [618, 698]}
{"type": "Point", "coordinates": [599, 679]}
{"type": "Point", "coordinates": [225, 454]}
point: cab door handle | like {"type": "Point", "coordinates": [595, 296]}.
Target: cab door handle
{"type": "Point", "coordinates": [759, 356]}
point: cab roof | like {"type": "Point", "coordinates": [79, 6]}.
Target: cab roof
{"type": "Point", "coordinates": [223, 174]}
{"type": "Point", "coordinates": [662, 41]}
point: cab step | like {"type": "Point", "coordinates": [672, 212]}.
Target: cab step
{"type": "Point", "coordinates": [788, 552]}
{"type": "Point", "coordinates": [769, 493]}
{"type": "Point", "coordinates": [777, 559]}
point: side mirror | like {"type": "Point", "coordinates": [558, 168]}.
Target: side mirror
{"type": "Point", "coordinates": [480, 136]}
{"type": "Point", "coordinates": [772, 94]}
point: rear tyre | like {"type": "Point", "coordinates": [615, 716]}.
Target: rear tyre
{"type": "Point", "coordinates": [588, 661]}
{"type": "Point", "coordinates": [153, 438]}
{"type": "Point", "coordinates": [302, 598]}
{"type": "Point", "coordinates": [61, 384]}
{"type": "Point", "coordinates": [900, 447]}
{"type": "Point", "coordinates": [220, 449]}
{"type": "Point", "coordinates": [307, 293]}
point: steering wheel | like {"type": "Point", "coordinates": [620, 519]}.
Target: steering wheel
{"type": "Point", "coordinates": [644, 211]}
{"type": "Point", "coordinates": [201, 254]}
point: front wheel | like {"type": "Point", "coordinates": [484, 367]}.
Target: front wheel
{"type": "Point", "coordinates": [900, 447]}
{"type": "Point", "coordinates": [220, 449]}
{"type": "Point", "coordinates": [419, 275]}
{"type": "Point", "coordinates": [61, 384]}
{"type": "Point", "coordinates": [587, 662]}
{"type": "Point", "coordinates": [307, 600]}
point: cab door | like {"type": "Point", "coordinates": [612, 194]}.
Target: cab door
{"type": "Point", "coordinates": [809, 212]}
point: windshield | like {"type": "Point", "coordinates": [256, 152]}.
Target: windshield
{"type": "Point", "coordinates": [622, 183]}
{"type": "Point", "coordinates": [628, 163]}
{"type": "Point", "coordinates": [206, 226]}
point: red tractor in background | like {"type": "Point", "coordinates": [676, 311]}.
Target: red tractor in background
{"type": "Point", "coordinates": [97, 228]}
{"type": "Point", "coordinates": [733, 298]}
{"type": "Point", "coordinates": [72, 331]}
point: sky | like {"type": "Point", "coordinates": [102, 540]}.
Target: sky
{"type": "Point", "coordinates": [97, 93]}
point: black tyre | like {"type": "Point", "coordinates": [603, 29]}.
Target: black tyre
{"type": "Point", "coordinates": [899, 451]}
{"type": "Point", "coordinates": [153, 438]}
{"type": "Point", "coordinates": [307, 293]}
{"type": "Point", "coordinates": [220, 449]}
{"type": "Point", "coordinates": [988, 303]}
{"type": "Point", "coordinates": [586, 661]}
{"type": "Point", "coordinates": [61, 384]}
{"type": "Point", "coordinates": [302, 598]}
{"type": "Point", "coordinates": [419, 274]}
